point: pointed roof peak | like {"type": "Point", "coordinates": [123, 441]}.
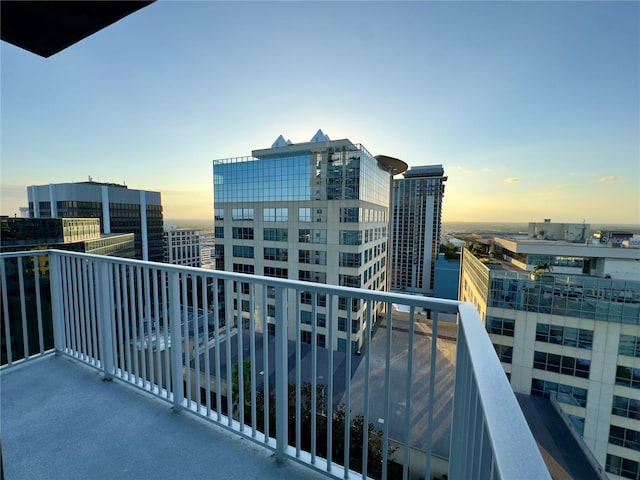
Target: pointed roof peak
{"type": "Point", "coordinates": [280, 142]}
{"type": "Point", "coordinates": [320, 137]}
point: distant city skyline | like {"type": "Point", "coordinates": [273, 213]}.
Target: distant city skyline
{"type": "Point", "coordinates": [532, 108]}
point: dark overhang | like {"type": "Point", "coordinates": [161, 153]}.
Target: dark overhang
{"type": "Point", "coordinates": [392, 165]}
{"type": "Point", "coordinates": [47, 27]}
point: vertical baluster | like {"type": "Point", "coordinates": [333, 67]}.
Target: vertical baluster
{"type": "Point", "coordinates": [207, 358]}
{"type": "Point", "coordinates": [228, 309]}
{"type": "Point", "coordinates": [5, 312]}
{"type": "Point", "coordinates": [105, 324]}
{"type": "Point", "coordinates": [148, 273]}
{"type": "Point", "coordinates": [82, 308]}
{"type": "Point", "coordinates": [367, 369]}
{"type": "Point", "coordinates": [156, 324]}
{"type": "Point", "coordinates": [176, 342]}
{"type": "Point", "coordinates": [134, 323]}
{"type": "Point", "coordinates": [407, 416]}
{"type": "Point", "coordinates": [186, 338]}
{"type": "Point", "coordinates": [164, 284]}
{"type": "Point", "coordinates": [93, 309]}
{"type": "Point", "coordinates": [216, 329]}
{"type": "Point", "coordinates": [57, 312]}
{"type": "Point", "coordinates": [387, 388]}
{"type": "Point", "coordinates": [36, 273]}
{"type": "Point", "coordinates": [23, 310]}
{"type": "Point", "coordinates": [281, 374]}
{"type": "Point", "coordinates": [314, 389]}
{"type": "Point", "coordinates": [252, 353]}
{"type": "Point", "coordinates": [196, 339]}
{"type": "Point", "coordinates": [347, 390]}
{"type": "Point", "coordinates": [432, 388]}
{"type": "Point", "coordinates": [127, 320]}
{"type": "Point", "coordinates": [265, 368]}
{"type": "Point", "coordinates": [76, 337]}
{"type": "Point", "coordinates": [120, 327]}
{"type": "Point", "coordinates": [298, 416]}
{"type": "Point", "coordinates": [329, 395]}
{"type": "Point", "coordinates": [66, 280]}
{"type": "Point", "coordinates": [240, 364]}
{"type": "Point", "coordinates": [140, 350]}
{"type": "Point", "coordinates": [87, 310]}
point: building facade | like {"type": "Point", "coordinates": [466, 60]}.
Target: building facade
{"type": "Point", "coordinates": [564, 318]}
{"type": "Point", "coordinates": [74, 234]}
{"type": "Point", "coordinates": [182, 247]}
{"type": "Point", "coordinates": [120, 210]}
{"type": "Point", "coordinates": [416, 228]}
{"type": "Point", "coordinates": [316, 211]}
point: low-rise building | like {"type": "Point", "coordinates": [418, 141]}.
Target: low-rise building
{"type": "Point", "coordinates": [564, 317]}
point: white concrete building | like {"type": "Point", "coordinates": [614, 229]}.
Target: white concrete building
{"type": "Point", "coordinates": [316, 211]}
{"type": "Point", "coordinates": [182, 247]}
{"type": "Point", "coordinates": [572, 333]}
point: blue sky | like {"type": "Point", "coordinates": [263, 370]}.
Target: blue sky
{"type": "Point", "coordinates": [533, 108]}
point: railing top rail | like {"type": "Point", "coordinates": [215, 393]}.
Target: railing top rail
{"type": "Point", "coordinates": [515, 450]}
{"type": "Point", "coordinates": [438, 304]}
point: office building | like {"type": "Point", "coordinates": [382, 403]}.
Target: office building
{"type": "Point", "coordinates": [316, 211]}
{"type": "Point", "coordinates": [182, 247]}
{"type": "Point", "coordinates": [119, 208]}
{"type": "Point", "coordinates": [73, 234]}
{"type": "Point", "coordinates": [563, 313]}
{"type": "Point", "coordinates": [416, 228]}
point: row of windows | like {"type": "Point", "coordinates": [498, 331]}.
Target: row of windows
{"type": "Point", "coordinates": [242, 251]}
{"type": "Point", "coordinates": [305, 214]}
{"type": "Point", "coordinates": [348, 259]}
{"type": "Point", "coordinates": [564, 393]}
{"type": "Point", "coordinates": [242, 268]}
{"type": "Point", "coordinates": [500, 326]}
{"type": "Point", "coordinates": [505, 352]}
{"type": "Point", "coordinates": [321, 340]}
{"type": "Point", "coordinates": [624, 437]}
{"type": "Point", "coordinates": [342, 325]}
{"type": "Point", "coordinates": [277, 254]}
{"type": "Point", "coordinates": [623, 467]}
{"type": "Point", "coordinates": [577, 367]}
{"type": "Point", "coordinates": [628, 376]}
{"type": "Point", "coordinates": [309, 276]}
{"type": "Point", "coordinates": [587, 297]}
{"type": "Point", "coordinates": [307, 318]}
{"type": "Point", "coordinates": [626, 407]}
{"type": "Point", "coordinates": [314, 257]}
{"type": "Point", "coordinates": [276, 234]}
{"type": "Point", "coordinates": [276, 272]}
{"type": "Point", "coordinates": [568, 336]}
{"type": "Point", "coordinates": [629, 345]}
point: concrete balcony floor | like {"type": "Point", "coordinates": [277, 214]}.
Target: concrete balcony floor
{"type": "Point", "coordinates": [60, 419]}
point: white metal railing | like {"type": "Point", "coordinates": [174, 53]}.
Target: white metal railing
{"type": "Point", "coordinates": [173, 332]}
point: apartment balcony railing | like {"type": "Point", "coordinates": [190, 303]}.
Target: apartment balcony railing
{"type": "Point", "coordinates": [173, 332]}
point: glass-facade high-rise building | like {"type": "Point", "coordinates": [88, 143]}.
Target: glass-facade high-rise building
{"type": "Point", "coordinates": [416, 228]}
{"type": "Point", "coordinates": [316, 211]}
{"type": "Point", "coordinates": [120, 210]}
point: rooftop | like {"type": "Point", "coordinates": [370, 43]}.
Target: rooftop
{"type": "Point", "coordinates": [60, 419]}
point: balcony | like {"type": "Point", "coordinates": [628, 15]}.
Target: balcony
{"type": "Point", "coordinates": [199, 386]}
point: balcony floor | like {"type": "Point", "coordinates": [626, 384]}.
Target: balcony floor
{"type": "Point", "coordinates": [59, 419]}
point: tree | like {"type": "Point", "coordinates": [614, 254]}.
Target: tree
{"type": "Point", "coordinates": [542, 267]}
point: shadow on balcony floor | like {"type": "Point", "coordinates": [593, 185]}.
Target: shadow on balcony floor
{"type": "Point", "coordinates": [59, 419]}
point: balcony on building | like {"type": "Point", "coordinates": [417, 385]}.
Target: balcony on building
{"type": "Point", "coordinates": [120, 368]}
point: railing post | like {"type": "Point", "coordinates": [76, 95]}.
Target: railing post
{"type": "Point", "coordinates": [282, 374]}
{"type": "Point", "coordinates": [177, 379]}
{"type": "Point", "coordinates": [105, 325]}
{"type": "Point", "coordinates": [57, 314]}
